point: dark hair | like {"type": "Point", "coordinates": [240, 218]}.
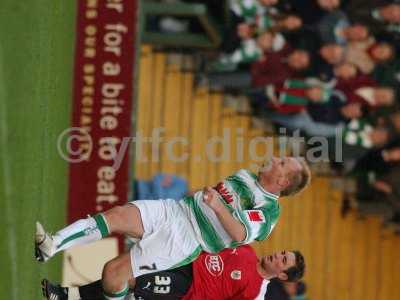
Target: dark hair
{"type": "Point", "coordinates": [296, 272]}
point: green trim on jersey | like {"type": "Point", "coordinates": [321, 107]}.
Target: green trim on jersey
{"type": "Point", "coordinates": [192, 257]}
{"type": "Point", "coordinates": [244, 192]}
{"type": "Point", "coordinates": [208, 233]}
{"type": "Point", "coordinates": [101, 225]}
{"type": "Point", "coordinates": [248, 11]}
{"type": "Point", "coordinates": [248, 202]}
{"type": "Point", "coordinates": [268, 194]}
{"type": "Point", "coordinates": [252, 175]}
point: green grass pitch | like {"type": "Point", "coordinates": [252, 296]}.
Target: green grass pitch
{"type": "Point", "coordinates": [36, 64]}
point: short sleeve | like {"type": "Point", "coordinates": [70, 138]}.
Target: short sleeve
{"type": "Point", "coordinates": [257, 223]}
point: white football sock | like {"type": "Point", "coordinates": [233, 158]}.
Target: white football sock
{"type": "Point", "coordinates": [73, 293]}
{"type": "Point", "coordinates": [118, 295]}
{"type": "Point", "coordinates": [83, 231]}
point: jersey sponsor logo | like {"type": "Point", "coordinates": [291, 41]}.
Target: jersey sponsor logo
{"type": "Point", "coordinates": [214, 264]}
{"type": "Point", "coordinates": [223, 191]}
{"type": "Point", "coordinates": [255, 216]}
{"type": "Point", "coordinates": [236, 275]}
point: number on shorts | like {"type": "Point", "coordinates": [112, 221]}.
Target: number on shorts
{"type": "Point", "coordinates": [162, 284]}
{"type": "Point", "coordinates": [148, 268]}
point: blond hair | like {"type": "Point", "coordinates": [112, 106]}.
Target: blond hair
{"type": "Point", "coordinates": [298, 181]}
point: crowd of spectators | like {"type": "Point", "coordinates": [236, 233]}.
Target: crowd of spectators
{"type": "Point", "coordinates": [329, 68]}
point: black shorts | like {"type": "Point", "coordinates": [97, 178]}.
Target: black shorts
{"type": "Point", "coordinates": [165, 285]}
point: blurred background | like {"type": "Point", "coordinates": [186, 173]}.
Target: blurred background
{"type": "Point", "coordinates": [205, 88]}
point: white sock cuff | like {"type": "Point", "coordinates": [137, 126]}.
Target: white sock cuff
{"type": "Point", "coordinates": [73, 293]}
{"type": "Point", "coordinates": [117, 295]}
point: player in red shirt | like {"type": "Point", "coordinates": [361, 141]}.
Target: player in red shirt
{"type": "Point", "coordinates": [238, 274]}
{"type": "Point", "coordinates": [234, 274]}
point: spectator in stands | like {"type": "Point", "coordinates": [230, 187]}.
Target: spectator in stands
{"type": "Point", "coordinates": [359, 137]}
{"type": "Point", "coordinates": [305, 123]}
{"type": "Point", "coordinates": [310, 11]}
{"type": "Point", "coordinates": [284, 23]}
{"type": "Point", "coordinates": [292, 96]}
{"type": "Point", "coordinates": [363, 89]}
{"type": "Point", "coordinates": [381, 17]}
{"type": "Point", "coordinates": [246, 19]}
{"type": "Point", "coordinates": [279, 66]}
{"type": "Point", "coordinates": [247, 29]}
{"type": "Point", "coordinates": [351, 48]}
{"type": "Point", "coordinates": [388, 73]}
{"type": "Point", "coordinates": [345, 71]}
{"type": "Point", "coordinates": [329, 5]}
{"type": "Point", "coordinates": [379, 160]}
{"type": "Point", "coordinates": [357, 42]}
{"type": "Point", "coordinates": [161, 186]}
{"type": "Point", "coordinates": [255, 29]}
{"type": "Point", "coordinates": [363, 54]}
{"type": "Point", "coordinates": [336, 111]}
{"type": "Point", "coordinates": [326, 120]}
{"type": "Point", "coordinates": [336, 28]}
{"type": "Point", "coordinates": [327, 104]}
{"type": "Point", "coordinates": [250, 50]}
{"type": "Point", "coordinates": [276, 67]}
{"type": "Point", "coordinates": [377, 175]}
{"type": "Point", "coordinates": [333, 54]}
{"type": "Point", "coordinates": [250, 10]}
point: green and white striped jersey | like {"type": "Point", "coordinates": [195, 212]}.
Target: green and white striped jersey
{"type": "Point", "coordinates": [247, 9]}
{"type": "Point", "coordinates": [253, 12]}
{"type": "Point", "coordinates": [248, 52]}
{"type": "Point", "coordinates": [357, 133]}
{"type": "Point", "coordinates": [248, 202]}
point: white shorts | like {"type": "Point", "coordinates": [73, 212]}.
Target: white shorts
{"type": "Point", "coordinates": [168, 241]}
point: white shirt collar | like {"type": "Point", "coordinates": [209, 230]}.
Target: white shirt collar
{"type": "Point", "coordinates": [263, 290]}
{"type": "Point", "coordinates": [266, 192]}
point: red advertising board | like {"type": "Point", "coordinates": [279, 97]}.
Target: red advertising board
{"type": "Point", "coordinates": [102, 105]}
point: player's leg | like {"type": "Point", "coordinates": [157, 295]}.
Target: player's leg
{"type": "Point", "coordinates": [53, 291]}
{"type": "Point", "coordinates": [167, 251]}
{"type": "Point", "coordinates": [121, 219]}
{"type": "Point", "coordinates": [117, 274]}
{"type": "Point", "coordinates": [165, 285]}
{"type": "Point", "coordinates": [90, 291]}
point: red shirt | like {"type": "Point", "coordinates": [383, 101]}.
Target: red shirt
{"type": "Point", "coordinates": [272, 70]}
{"type": "Point", "coordinates": [350, 86]}
{"type": "Point", "coordinates": [230, 274]}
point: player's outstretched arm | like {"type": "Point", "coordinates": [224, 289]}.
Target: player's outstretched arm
{"type": "Point", "coordinates": [233, 227]}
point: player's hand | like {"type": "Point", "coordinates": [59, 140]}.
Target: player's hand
{"type": "Point", "coordinates": [211, 198]}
